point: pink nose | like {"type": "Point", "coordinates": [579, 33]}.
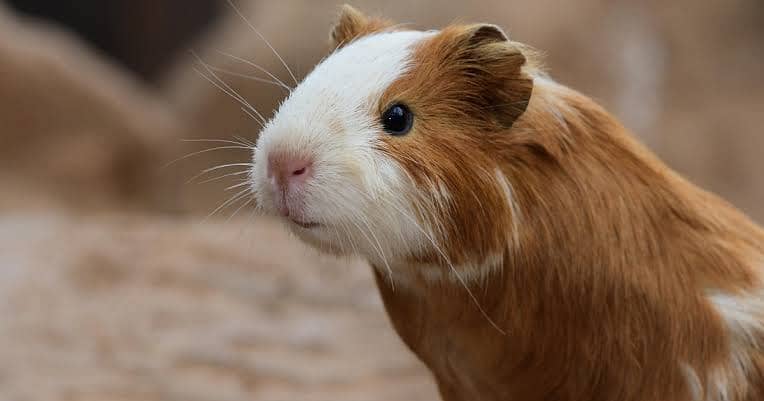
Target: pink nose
{"type": "Point", "coordinates": [289, 173]}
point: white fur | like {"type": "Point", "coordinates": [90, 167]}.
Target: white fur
{"type": "Point", "coordinates": [547, 93]}
{"type": "Point", "coordinates": [359, 195]}
{"type": "Point", "coordinates": [744, 314]}
{"type": "Point", "coordinates": [509, 196]}
{"type": "Point", "coordinates": [744, 317]}
{"type": "Point", "coordinates": [477, 272]}
{"type": "Point", "coordinates": [693, 382]}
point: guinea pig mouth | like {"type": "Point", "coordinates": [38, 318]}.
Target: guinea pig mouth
{"type": "Point", "coordinates": [304, 224]}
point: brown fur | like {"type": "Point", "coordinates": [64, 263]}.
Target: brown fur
{"type": "Point", "coordinates": [353, 24]}
{"type": "Point", "coordinates": [603, 292]}
{"type": "Point", "coordinates": [461, 76]}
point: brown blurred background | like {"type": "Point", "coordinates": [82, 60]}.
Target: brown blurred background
{"type": "Point", "coordinates": [116, 285]}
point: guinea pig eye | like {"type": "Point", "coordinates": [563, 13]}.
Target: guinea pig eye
{"type": "Point", "coordinates": [397, 119]}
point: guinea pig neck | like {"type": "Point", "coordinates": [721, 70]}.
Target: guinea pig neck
{"type": "Point", "coordinates": [607, 293]}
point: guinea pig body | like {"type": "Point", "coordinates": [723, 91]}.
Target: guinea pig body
{"type": "Point", "coordinates": [525, 246]}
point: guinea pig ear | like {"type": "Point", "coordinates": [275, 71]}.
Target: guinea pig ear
{"type": "Point", "coordinates": [491, 62]}
{"type": "Point", "coordinates": [486, 33]}
{"type": "Point", "coordinates": [353, 24]}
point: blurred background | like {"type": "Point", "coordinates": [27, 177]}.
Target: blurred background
{"type": "Point", "coordinates": [117, 280]}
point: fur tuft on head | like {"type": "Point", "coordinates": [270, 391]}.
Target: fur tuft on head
{"type": "Point", "coordinates": [353, 24]}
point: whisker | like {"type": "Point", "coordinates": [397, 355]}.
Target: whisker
{"type": "Point", "coordinates": [246, 76]}
{"type": "Point", "coordinates": [233, 5]}
{"type": "Point", "coordinates": [230, 201]}
{"type": "Point", "coordinates": [224, 176]}
{"type": "Point", "coordinates": [239, 185]}
{"type": "Point", "coordinates": [208, 170]}
{"type": "Point", "coordinates": [378, 247]}
{"type": "Point", "coordinates": [243, 143]}
{"type": "Point", "coordinates": [244, 109]}
{"type": "Point", "coordinates": [203, 151]}
{"type": "Point", "coordinates": [239, 209]}
{"type": "Point", "coordinates": [350, 240]}
{"type": "Point", "coordinates": [381, 253]}
{"type": "Point", "coordinates": [258, 67]}
{"type": "Point", "coordinates": [365, 196]}
{"type": "Point", "coordinates": [230, 91]}
{"type": "Point", "coordinates": [241, 101]}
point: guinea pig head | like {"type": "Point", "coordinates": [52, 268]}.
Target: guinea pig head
{"type": "Point", "coordinates": [388, 148]}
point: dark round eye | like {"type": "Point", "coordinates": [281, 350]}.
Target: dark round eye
{"type": "Point", "coordinates": [397, 120]}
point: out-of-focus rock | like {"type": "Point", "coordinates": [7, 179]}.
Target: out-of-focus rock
{"type": "Point", "coordinates": [154, 309]}
{"type": "Point", "coordinates": [75, 131]}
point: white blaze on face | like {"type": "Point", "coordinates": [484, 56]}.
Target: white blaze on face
{"type": "Point", "coordinates": [356, 192]}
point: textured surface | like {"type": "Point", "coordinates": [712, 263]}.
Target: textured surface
{"type": "Point", "coordinates": [124, 308]}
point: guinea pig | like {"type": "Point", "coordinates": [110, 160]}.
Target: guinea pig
{"type": "Point", "coordinates": [526, 247]}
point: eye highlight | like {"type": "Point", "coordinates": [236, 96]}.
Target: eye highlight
{"type": "Point", "coordinates": [397, 119]}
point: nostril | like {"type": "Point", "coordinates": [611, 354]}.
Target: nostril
{"type": "Point", "coordinates": [300, 171]}
{"type": "Point", "coordinates": [289, 169]}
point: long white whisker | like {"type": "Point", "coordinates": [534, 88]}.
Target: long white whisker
{"type": "Point", "coordinates": [228, 165]}
{"type": "Point", "coordinates": [219, 140]}
{"type": "Point", "coordinates": [239, 185]}
{"type": "Point", "coordinates": [221, 88]}
{"type": "Point", "coordinates": [233, 5]}
{"type": "Point", "coordinates": [245, 141]}
{"type": "Point", "coordinates": [254, 117]}
{"type": "Point", "coordinates": [249, 77]}
{"type": "Point", "coordinates": [377, 247]}
{"type": "Point", "coordinates": [382, 253]}
{"type": "Point", "coordinates": [203, 151]}
{"type": "Point", "coordinates": [252, 216]}
{"type": "Point", "coordinates": [224, 176]}
{"type": "Point", "coordinates": [339, 237]}
{"type": "Point", "coordinates": [350, 240]}
{"type": "Point", "coordinates": [233, 199]}
{"type": "Point", "coordinates": [211, 169]}
{"type": "Point", "coordinates": [230, 91]}
{"type": "Point", "coordinates": [239, 209]}
{"type": "Point", "coordinates": [257, 67]}
{"type": "Point", "coordinates": [241, 101]}
{"type": "Point", "coordinates": [368, 198]}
